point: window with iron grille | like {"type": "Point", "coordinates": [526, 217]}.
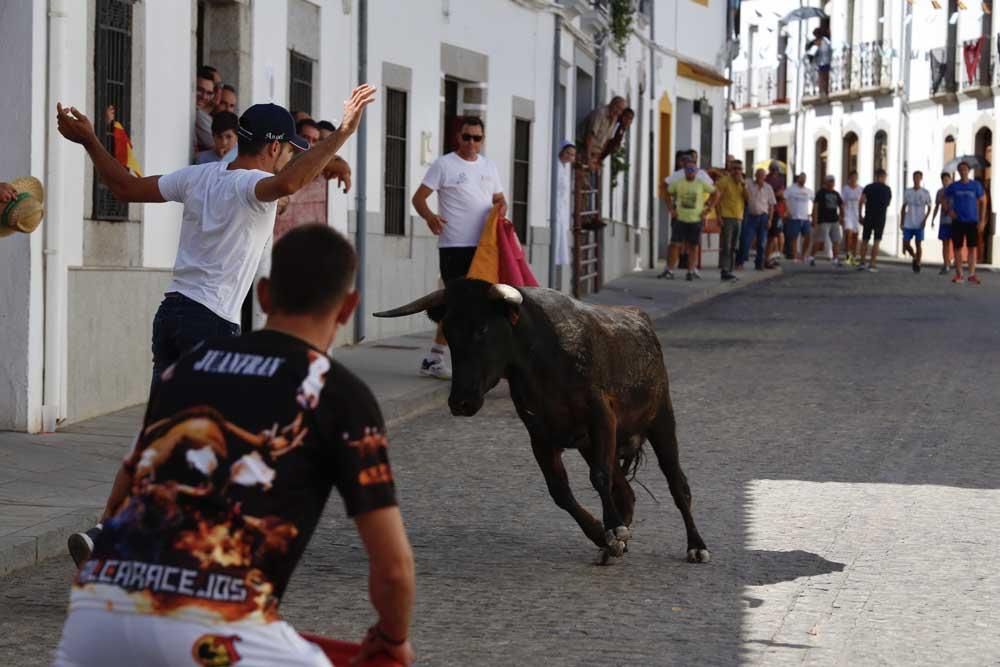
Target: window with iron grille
{"type": "Point", "coordinates": [395, 162]}
{"type": "Point", "coordinates": [300, 75]}
{"type": "Point", "coordinates": [519, 193]}
{"type": "Point", "coordinates": [112, 90]}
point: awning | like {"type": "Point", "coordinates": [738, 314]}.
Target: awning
{"type": "Point", "coordinates": [700, 73]}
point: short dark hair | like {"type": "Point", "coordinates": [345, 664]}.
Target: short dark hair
{"type": "Point", "coordinates": [968, 166]}
{"type": "Point", "coordinates": [312, 267]}
{"type": "Point", "coordinates": [918, 173]}
{"type": "Point", "coordinates": [853, 172]}
{"type": "Point", "coordinates": [305, 122]}
{"type": "Point", "coordinates": [945, 174]}
{"type": "Point", "coordinates": [230, 87]}
{"type": "Point", "coordinates": [207, 72]}
{"type": "Point", "coordinates": [473, 121]}
{"type": "Point", "coordinates": [880, 172]}
{"type": "Point", "coordinates": [326, 125]}
{"type": "Point", "coordinates": [616, 98]}
{"type": "Point", "coordinates": [628, 110]}
{"type": "Point", "coordinates": [224, 120]}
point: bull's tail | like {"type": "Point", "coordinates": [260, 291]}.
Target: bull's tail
{"type": "Point", "coordinates": [630, 466]}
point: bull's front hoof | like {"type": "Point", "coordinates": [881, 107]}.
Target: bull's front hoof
{"type": "Point", "coordinates": [616, 544]}
{"type": "Point", "coordinates": [699, 556]}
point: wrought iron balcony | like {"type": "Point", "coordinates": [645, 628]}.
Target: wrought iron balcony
{"type": "Point", "coordinates": [857, 69]}
{"type": "Point", "coordinates": [759, 87]}
{"type": "Point", "coordinates": [981, 75]}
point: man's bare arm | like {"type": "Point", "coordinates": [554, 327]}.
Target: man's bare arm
{"type": "Point", "coordinates": [391, 582]}
{"type": "Point", "coordinates": [76, 127]}
{"type": "Point", "coordinates": [433, 220]}
{"type": "Point", "coordinates": [309, 164]}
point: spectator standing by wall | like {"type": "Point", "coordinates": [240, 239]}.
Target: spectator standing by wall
{"type": "Point", "coordinates": [761, 205]}
{"type": "Point", "coordinates": [874, 205]}
{"type": "Point", "coordinates": [732, 198]}
{"type": "Point", "coordinates": [693, 200]}
{"type": "Point", "coordinates": [564, 203]}
{"type": "Point", "coordinates": [468, 186]}
{"type": "Point", "coordinates": [225, 125]}
{"type": "Point", "coordinates": [799, 199]}
{"type": "Point", "coordinates": [204, 106]}
{"type": "Point", "coordinates": [851, 194]}
{"type": "Point", "coordinates": [827, 216]}
{"type": "Point", "coordinates": [913, 217]}
{"type": "Point", "coordinates": [227, 99]}
{"type": "Point", "coordinates": [685, 158]}
{"type": "Point", "coordinates": [967, 206]}
{"type": "Point", "coordinates": [944, 231]}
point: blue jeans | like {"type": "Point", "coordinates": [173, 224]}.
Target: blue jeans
{"type": "Point", "coordinates": [180, 324]}
{"type": "Point", "coordinates": [755, 225]}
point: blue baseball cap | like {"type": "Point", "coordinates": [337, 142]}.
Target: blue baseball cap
{"type": "Point", "coordinates": [270, 122]}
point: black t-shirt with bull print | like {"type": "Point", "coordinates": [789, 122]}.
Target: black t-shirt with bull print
{"type": "Point", "coordinates": [243, 440]}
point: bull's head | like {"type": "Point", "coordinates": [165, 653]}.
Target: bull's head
{"type": "Point", "coordinates": [478, 320]}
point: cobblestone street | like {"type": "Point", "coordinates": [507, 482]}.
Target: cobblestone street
{"type": "Point", "coordinates": [839, 433]}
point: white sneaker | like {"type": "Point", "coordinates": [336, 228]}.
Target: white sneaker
{"type": "Point", "coordinates": [696, 274]}
{"type": "Point", "coordinates": [435, 368]}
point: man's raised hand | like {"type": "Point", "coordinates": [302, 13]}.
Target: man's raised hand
{"type": "Point", "coordinates": [73, 124]}
{"type": "Point", "coordinates": [354, 107]}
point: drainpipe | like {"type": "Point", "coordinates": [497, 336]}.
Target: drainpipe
{"type": "Point", "coordinates": [360, 181]}
{"type": "Point", "coordinates": [653, 109]}
{"type": "Point", "coordinates": [54, 271]}
{"type": "Point", "coordinates": [904, 103]}
{"type": "Point", "coordinates": [558, 115]}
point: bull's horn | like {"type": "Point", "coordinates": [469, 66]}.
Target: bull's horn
{"type": "Point", "coordinates": [418, 306]}
{"type": "Point", "coordinates": [507, 293]}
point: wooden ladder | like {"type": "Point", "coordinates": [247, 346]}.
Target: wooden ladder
{"type": "Point", "coordinates": [588, 231]}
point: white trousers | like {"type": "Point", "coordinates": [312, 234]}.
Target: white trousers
{"type": "Point", "coordinates": [99, 637]}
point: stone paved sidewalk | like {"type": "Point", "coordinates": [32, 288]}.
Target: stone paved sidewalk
{"type": "Point", "coordinates": [52, 485]}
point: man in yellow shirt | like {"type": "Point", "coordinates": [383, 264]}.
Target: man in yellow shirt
{"type": "Point", "coordinates": [732, 198]}
{"type": "Point", "coordinates": [691, 199]}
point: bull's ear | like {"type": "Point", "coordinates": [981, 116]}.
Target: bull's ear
{"type": "Point", "coordinates": [437, 313]}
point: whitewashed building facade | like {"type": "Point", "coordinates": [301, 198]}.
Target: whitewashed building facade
{"type": "Point", "coordinates": [912, 86]}
{"type": "Point", "coordinates": [79, 294]}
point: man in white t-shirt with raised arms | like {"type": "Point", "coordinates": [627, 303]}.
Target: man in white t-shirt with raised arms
{"type": "Point", "coordinates": [229, 212]}
{"type": "Point", "coordinates": [468, 187]}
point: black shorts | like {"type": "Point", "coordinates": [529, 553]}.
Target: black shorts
{"type": "Point", "coordinates": [690, 233]}
{"type": "Point", "coordinates": [964, 233]}
{"type": "Point", "coordinates": [870, 227]}
{"type": "Point", "coordinates": [455, 262]}
{"type": "Point", "coordinates": [677, 231]}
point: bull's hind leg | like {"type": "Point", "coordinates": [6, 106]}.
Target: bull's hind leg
{"type": "Point", "coordinates": [601, 456]}
{"type": "Point", "coordinates": [663, 438]}
{"type": "Point", "coordinates": [550, 461]}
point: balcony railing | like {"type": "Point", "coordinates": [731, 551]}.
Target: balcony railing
{"type": "Point", "coordinates": [860, 68]}
{"type": "Point", "coordinates": [758, 88]}
{"type": "Point", "coordinates": [982, 74]}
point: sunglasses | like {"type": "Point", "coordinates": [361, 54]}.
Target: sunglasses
{"type": "Point", "coordinates": [472, 137]}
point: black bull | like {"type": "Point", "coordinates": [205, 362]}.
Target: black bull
{"type": "Point", "coordinates": [581, 377]}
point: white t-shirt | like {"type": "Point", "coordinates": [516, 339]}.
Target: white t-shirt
{"type": "Point", "coordinates": [798, 198]}
{"type": "Point", "coordinates": [679, 176]}
{"type": "Point", "coordinates": [852, 200]}
{"type": "Point", "coordinates": [915, 201]}
{"type": "Point", "coordinates": [465, 196]}
{"type": "Point", "coordinates": [223, 233]}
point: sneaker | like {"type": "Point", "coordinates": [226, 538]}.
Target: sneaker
{"type": "Point", "coordinates": [689, 277]}
{"type": "Point", "coordinates": [696, 274]}
{"type": "Point", "coordinates": [435, 368]}
{"type": "Point", "coordinates": [872, 269]}
{"type": "Point", "coordinates": [728, 277]}
{"type": "Point", "coordinates": [812, 261]}
{"type": "Point", "coordinates": [943, 271]}
{"type": "Point", "coordinates": [667, 273]}
{"type": "Point", "coordinates": [837, 263]}
{"type": "Point", "coordinates": [81, 545]}
{"type": "Point", "coordinates": [916, 268]}
{"type": "Point", "coordinates": [862, 266]}
{"type": "Point", "coordinates": [957, 278]}
{"type": "Point", "coordinates": [973, 279]}
{"type": "Point", "coordinates": [915, 265]}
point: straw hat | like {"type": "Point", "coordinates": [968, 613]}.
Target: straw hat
{"type": "Point", "coordinates": [24, 212]}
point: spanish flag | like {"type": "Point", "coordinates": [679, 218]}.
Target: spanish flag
{"type": "Point", "coordinates": [123, 150]}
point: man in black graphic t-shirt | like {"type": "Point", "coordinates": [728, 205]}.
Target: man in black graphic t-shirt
{"type": "Point", "coordinates": [827, 219]}
{"type": "Point", "coordinates": [243, 440]}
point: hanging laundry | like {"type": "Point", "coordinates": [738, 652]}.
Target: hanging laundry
{"type": "Point", "coordinates": [939, 67]}
{"type": "Point", "coordinates": [973, 53]}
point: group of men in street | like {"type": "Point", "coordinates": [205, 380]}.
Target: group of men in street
{"type": "Point", "coordinates": [848, 224]}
